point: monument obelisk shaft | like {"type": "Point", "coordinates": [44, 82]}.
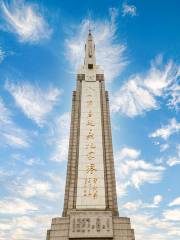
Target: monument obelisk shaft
{"type": "Point", "coordinates": [90, 201]}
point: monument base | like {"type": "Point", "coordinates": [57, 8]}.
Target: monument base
{"type": "Point", "coordinates": [86, 225]}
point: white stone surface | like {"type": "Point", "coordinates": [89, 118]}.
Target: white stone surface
{"type": "Point", "coordinates": [90, 92]}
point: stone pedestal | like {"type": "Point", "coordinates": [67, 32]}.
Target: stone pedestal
{"type": "Point", "coordinates": [59, 229]}
{"type": "Point", "coordinates": [82, 225]}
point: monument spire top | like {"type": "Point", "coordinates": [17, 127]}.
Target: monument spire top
{"type": "Point", "coordinates": [89, 27]}
{"type": "Point", "coordinates": [90, 59]}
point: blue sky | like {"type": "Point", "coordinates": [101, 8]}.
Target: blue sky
{"type": "Point", "coordinates": [41, 47]}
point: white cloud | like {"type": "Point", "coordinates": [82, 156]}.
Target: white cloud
{"type": "Point", "coordinates": [173, 161]}
{"type": "Point", "coordinates": [174, 101]}
{"type": "Point", "coordinates": [148, 222]}
{"type": "Point", "coordinates": [33, 161]}
{"type": "Point", "coordinates": [176, 159]}
{"type": "Point", "coordinates": [160, 77]}
{"type": "Point", "coordinates": [36, 188]}
{"type": "Point", "coordinates": [122, 188]}
{"type": "Point", "coordinates": [139, 94]}
{"type": "Point", "coordinates": [26, 213]}
{"type": "Point", "coordinates": [109, 50]}
{"type": "Point", "coordinates": [5, 114]}
{"type": "Point", "coordinates": [2, 55]}
{"type": "Point", "coordinates": [16, 206]}
{"type": "Point", "coordinates": [138, 164]}
{"type": "Point", "coordinates": [128, 153]}
{"type": "Point", "coordinates": [173, 215]}
{"type": "Point", "coordinates": [130, 10]}
{"type": "Point", "coordinates": [25, 20]}
{"type": "Point", "coordinates": [139, 204]}
{"type": "Point", "coordinates": [167, 130]}
{"type": "Point", "coordinates": [4, 226]}
{"type": "Point", "coordinates": [164, 147]}
{"type": "Point", "coordinates": [27, 227]}
{"type": "Point", "coordinates": [5, 173]}
{"type": "Point", "coordinates": [25, 222]}
{"type": "Point", "coordinates": [135, 172]}
{"type": "Point", "coordinates": [157, 199]}
{"type": "Point", "coordinates": [15, 140]}
{"type": "Point", "coordinates": [148, 226]}
{"type": "Point", "coordinates": [133, 206]}
{"type": "Point", "coordinates": [133, 99]}
{"type": "Point", "coordinates": [60, 138]}
{"type": "Point", "coordinates": [139, 178]}
{"type": "Point", "coordinates": [11, 134]}
{"type": "Point", "coordinates": [36, 103]}
{"type": "Point", "coordinates": [174, 232]}
{"type": "Point", "coordinates": [47, 187]}
{"type": "Point", "coordinates": [175, 202]}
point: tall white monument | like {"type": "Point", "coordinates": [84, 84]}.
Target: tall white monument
{"type": "Point", "coordinates": [90, 202]}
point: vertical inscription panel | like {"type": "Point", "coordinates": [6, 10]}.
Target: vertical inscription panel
{"type": "Point", "coordinates": [86, 224]}
{"type": "Point", "coordinates": [90, 184]}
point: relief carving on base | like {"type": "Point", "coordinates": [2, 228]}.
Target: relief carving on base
{"type": "Point", "coordinates": [90, 224]}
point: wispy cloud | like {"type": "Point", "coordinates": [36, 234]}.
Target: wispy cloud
{"type": "Point", "coordinates": [157, 199]}
{"type": "Point", "coordinates": [60, 137]}
{"type": "Point", "coordinates": [152, 227]}
{"type": "Point", "coordinates": [128, 153]}
{"type": "Point", "coordinates": [175, 202]}
{"type": "Point", "coordinates": [27, 227]}
{"type": "Point", "coordinates": [24, 209]}
{"type": "Point", "coordinates": [141, 92]}
{"type": "Point", "coordinates": [109, 49]}
{"type": "Point", "coordinates": [130, 10]}
{"type": "Point", "coordinates": [133, 98]}
{"type": "Point", "coordinates": [139, 204]}
{"type": "Point", "coordinates": [16, 206]}
{"type": "Point", "coordinates": [167, 130]}
{"type": "Point", "coordinates": [25, 20]}
{"type": "Point", "coordinates": [164, 147]}
{"type": "Point", "coordinates": [5, 113]}
{"type": "Point", "coordinates": [173, 215]}
{"type": "Point", "coordinates": [15, 140]}
{"type": "Point", "coordinates": [146, 222]}
{"type": "Point", "coordinates": [174, 92]}
{"type": "Point", "coordinates": [33, 188]}
{"type": "Point", "coordinates": [172, 161]}
{"type": "Point", "coordinates": [35, 102]}
{"type": "Point", "coordinates": [141, 177]}
{"type": "Point", "coordinates": [131, 171]}
{"type": "Point", "coordinates": [161, 76]}
{"type": "Point", "coordinates": [2, 55]}
{"type": "Point", "coordinates": [11, 134]}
